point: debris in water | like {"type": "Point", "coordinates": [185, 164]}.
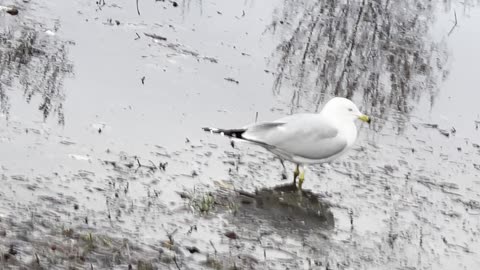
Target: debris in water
{"type": "Point", "coordinates": [444, 132]}
{"type": "Point", "coordinates": [12, 250]}
{"type": "Point", "coordinates": [193, 250]}
{"type": "Point", "coordinates": [183, 50]}
{"type": "Point", "coordinates": [99, 127]}
{"type": "Point", "coordinates": [64, 142]}
{"type": "Point", "coordinates": [151, 168]}
{"type": "Point", "coordinates": [192, 228]}
{"type": "Point", "coordinates": [79, 157]}
{"type": "Point", "coordinates": [10, 10]}
{"type": "Point", "coordinates": [155, 36]}
{"type": "Point", "coordinates": [454, 24]}
{"type": "Point", "coordinates": [430, 125]}
{"type": "Point", "coordinates": [184, 195]}
{"type": "Point", "coordinates": [138, 9]}
{"type": "Point", "coordinates": [162, 165]}
{"type": "Point", "coordinates": [231, 235]}
{"type": "Point", "coordinates": [231, 80]}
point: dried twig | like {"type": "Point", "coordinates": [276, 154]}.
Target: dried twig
{"type": "Point", "coordinates": [155, 36]}
{"type": "Point", "coordinates": [455, 23]}
{"type": "Point", "coordinates": [138, 162]}
{"type": "Point", "coordinates": [138, 10]}
{"type": "Point", "coordinates": [100, 4]}
{"type": "Point", "coordinates": [175, 260]}
{"type": "Point", "coordinates": [154, 166]}
{"type": "Point", "coordinates": [140, 165]}
{"type": "Point", "coordinates": [170, 236]}
{"type": "Point", "coordinates": [211, 243]}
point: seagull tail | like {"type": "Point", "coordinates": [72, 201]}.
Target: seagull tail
{"type": "Point", "coordinates": [233, 133]}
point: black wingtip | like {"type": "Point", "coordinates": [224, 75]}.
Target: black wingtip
{"type": "Point", "coordinates": [212, 130]}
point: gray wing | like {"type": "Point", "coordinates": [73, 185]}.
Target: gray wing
{"type": "Point", "coordinates": [305, 135]}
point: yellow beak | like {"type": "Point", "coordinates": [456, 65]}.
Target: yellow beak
{"type": "Point", "coordinates": [365, 118]}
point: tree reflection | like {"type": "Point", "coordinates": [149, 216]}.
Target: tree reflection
{"type": "Point", "coordinates": [378, 50]}
{"type": "Point", "coordinates": [36, 63]}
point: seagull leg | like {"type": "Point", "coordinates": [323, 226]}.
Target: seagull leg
{"type": "Point", "coordinates": [284, 172]}
{"type": "Point", "coordinates": [301, 178]}
{"type": "Point", "coordinates": [295, 175]}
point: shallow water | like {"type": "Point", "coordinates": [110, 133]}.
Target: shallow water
{"type": "Point", "coordinates": [105, 164]}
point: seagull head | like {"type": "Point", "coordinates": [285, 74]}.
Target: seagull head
{"type": "Point", "coordinates": [345, 109]}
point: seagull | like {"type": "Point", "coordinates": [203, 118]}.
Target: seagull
{"type": "Point", "coordinates": [306, 138]}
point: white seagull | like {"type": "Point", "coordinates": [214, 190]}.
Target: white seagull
{"type": "Point", "coordinates": [307, 138]}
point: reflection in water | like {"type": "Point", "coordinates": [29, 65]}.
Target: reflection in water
{"type": "Point", "coordinates": [287, 209]}
{"type": "Point", "coordinates": [37, 63]}
{"type": "Point", "coordinates": [279, 222]}
{"type": "Point", "coordinates": [377, 49]}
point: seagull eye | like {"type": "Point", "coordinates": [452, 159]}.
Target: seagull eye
{"type": "Point", "coordinates": [350, 109]}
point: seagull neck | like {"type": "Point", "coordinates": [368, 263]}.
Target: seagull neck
{"type": "Point", "coordinates": [350, 131]}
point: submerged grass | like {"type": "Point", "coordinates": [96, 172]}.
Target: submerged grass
{"type": "Point", "coordinates": [51, 246]}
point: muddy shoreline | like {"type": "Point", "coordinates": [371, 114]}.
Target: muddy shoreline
{"type": "Point", "coordinates": [104, 164]}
